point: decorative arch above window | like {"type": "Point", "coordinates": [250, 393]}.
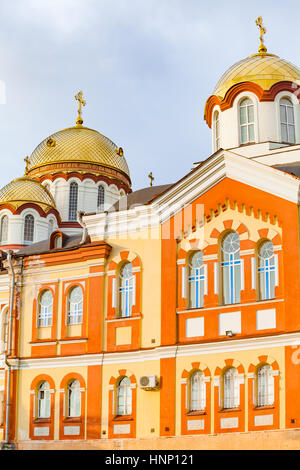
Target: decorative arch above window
{"type": "Point", "coordinates": [246, 121]}
{"type": "Point", "coordinates": [232, 268]}
{"type": "Point", "coordinates": [287, 121]}
{"type": "Point", "coordinates": [4, 229]}
{"type": "Point", "coordinates": [72, 407]}
{"type": "Point", "coordinates": [73, 201]}
{"type": "Point", "coordinates": [28, 228]}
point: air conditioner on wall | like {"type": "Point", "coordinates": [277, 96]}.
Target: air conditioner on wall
{"type": "Point", "coordinates": [148, 382]}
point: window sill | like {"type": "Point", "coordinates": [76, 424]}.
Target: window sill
{"type": "Point", "coordinates": [72, 420]}
{"type": "Point", "coordinates": [134, 316]}
{"type": "Point", "coordinates": [42, 421]}
{"type": "Point", "coordinates": [123, 418]}
{"type": "Point", "coordinates": [229, 410]}
{"type": "Point", "coordinates": [196, 413]}
{"type": "Point", "coordinates": [264, 407]}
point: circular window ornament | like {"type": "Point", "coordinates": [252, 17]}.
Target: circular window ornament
{"type": "Point", "coordinates": [266, 251]}
{"type": "Point", "coordinates": [231, 243]}
{"type": "Point", "coordinates": [126, 271]}
{"type": "Point", "coordinates": [196, 260]}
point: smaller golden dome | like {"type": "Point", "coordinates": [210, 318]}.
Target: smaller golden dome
{"type": "Point", "coordinates": [26, 190]}
{"type": "Point", "coordinates": [263, 69]}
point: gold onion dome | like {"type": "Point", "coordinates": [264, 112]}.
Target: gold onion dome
{"type": "Point", "coordinates": [77, 144]}
{"type": "Point", "coordinates": [263, 69]}
{"type": "Point", "coordinates": [26, 190]}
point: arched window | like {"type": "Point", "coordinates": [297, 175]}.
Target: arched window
{"type": "Point", "coordinates": [43, 401]}
{"type": "Point", "coordinates": [100, 200]}
{"type": "Point", "coordinates": [73, 201]}
{"type": "Point", "coordinates": [197, 392]}
{"type": "Point", "coordinates": [73, 399]}
{"type": "Point", "coordinates": [28, 228]}
{"type": "Point", "coordinates": [124, 397]}
{"type": "Point", "coordinates": [231, 392]}
{"type": "Point", "coordinates": [57, 242]}
{"type": "Point", "coordinates": [217, 130]}
{"type": "Point", "coordinates": [231, 268]}
{"type": "Point", "coordinates": [265, 386]}
{"type": "Point", "coordinates": [126, 290]}
{"type": "Point", "coordinates": [287, 121]}
{"type": "Point", "coordinates": [197, 280]}
{"type": "Point", "coordinates": [45, 309]}
{"type": "Point", "coordinates": [246, 108]}
{"type": "Point", "coordinates": [75, 306]}
{"type": "Point", "coordinates": [267, 271]}
{"type": "Point", "coordinates": [4, 229]}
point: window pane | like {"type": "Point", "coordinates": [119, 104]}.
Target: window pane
{"type": "Point", "coordinates": [284, 133]}
{"type": "Point", "coordinates": [4, 229]}
{"type": "Point", "coordinates": [290, 115]}
{"type": "Point", "coordinates": [251, 113]}
{"type": "Point", "coordinates": [75, 306]}
{"type": "Point", "coordinates": [283, 116]}
{"type": "Point", "coordinates": [251, 132]}
{"type": "Point", "coordinates": [292, 138]}
{"type": "Point", "coordinates": [244, 135]}
{"type": "Point", "coordinates": [243, 115]}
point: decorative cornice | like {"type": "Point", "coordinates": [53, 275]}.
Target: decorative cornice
{"type": "Point", "coordinates": [235, 90]}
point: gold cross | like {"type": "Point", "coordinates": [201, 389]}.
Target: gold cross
{"type": "Point", "coordinates": [82, 103]}
{"type": "Point", "coordinates": [151, 178]}
{"type": "Point", "coordinates": [262, 48]}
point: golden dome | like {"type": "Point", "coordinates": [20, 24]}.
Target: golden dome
{"type": "Point", "coordinates": [26, 190]}
{"type": "Point", "coordinates": [78, 145]}
{"type": "Point", "coordinates": [263, 69]}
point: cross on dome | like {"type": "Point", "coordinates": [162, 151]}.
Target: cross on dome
{"type": "Point", "coordinates": [81, 103]}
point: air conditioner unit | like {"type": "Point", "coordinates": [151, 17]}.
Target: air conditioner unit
{"type": "Point", "coordinates": [148, 382]}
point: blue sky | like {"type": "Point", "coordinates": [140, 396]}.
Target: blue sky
{"type": "Point", "coordinates": [146, 68]}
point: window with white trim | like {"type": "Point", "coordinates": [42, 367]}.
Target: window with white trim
{"type": "Point", "coordinates": [287, 121]}
{"type": "Point", "coordinates": [246, 112]}
{"type": "Point", "coordinates": [126, 290]}
{"type": "Point", "coordinates": [73, 201]}
{"type": "Point", "coordinates": [265, 386]}
{"type": "Point", "coordinates": [197, 280]}
{"type": "Point", "coordinates": [231, 266]}
{"type": "Point", "coordinates": [75, 306]}
{"type": "Point", "coordinates": [197, 400]}
{"type": "Point", "coordinates": [124, 397]}
{"type": "Point", "coordinates": [43, 401]}
{"type": "Point", "coordinates": [4, 229]}
{"type": "Point", "coordinates": [28, 228]}
{"type": "Point", "coordinates": [267, 271]}
{"type": "Point", "coordinates": [231, 386]}
{"type": "Point", "coordinates": [45, 309]}
{"type": "Point", "coordinates": [73, 399]}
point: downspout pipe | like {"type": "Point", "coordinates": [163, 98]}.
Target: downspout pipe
{"type": "Point", "coordinates": [8, 353]}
